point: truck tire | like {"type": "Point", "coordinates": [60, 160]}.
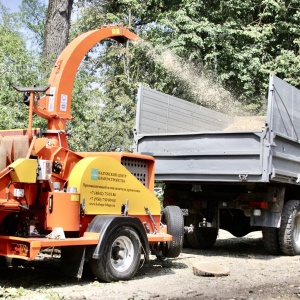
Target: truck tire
{"type": "Point", "coordinates": [173, 218]}
{"type": "Point", "coordinates": [289, 231]}
{"type": "Point", "coordinates": [121, 257]}
{"type": "Point", "coordinates": [3, 261]}
{"type": "Point", "coordinates": [271, 240]}
{"type": "Point", "coordinates": [202, 238]}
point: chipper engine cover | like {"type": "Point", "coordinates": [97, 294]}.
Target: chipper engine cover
{"type": "Point", "coordinates": [106, 187]}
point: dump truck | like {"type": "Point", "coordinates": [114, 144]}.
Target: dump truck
{"type": "Point", "coordinates": [94, 207]}
{"type": "Point", "coordinates": [240, 174]}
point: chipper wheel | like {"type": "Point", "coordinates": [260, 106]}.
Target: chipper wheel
{"type": "Point", "coordinates": [173, 218]}
{"type": "Point", "coordinates": [289, 231]}
{"type": "Point", "coordinates": [121, 257]}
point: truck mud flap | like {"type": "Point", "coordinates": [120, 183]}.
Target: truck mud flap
{"type": "Point", "coordinates": [266, 219]}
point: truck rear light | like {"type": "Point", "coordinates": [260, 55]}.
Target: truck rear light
{"type": "Point", "coordinates": [196, 203]}
{"type": "Point", "coordinates": [258, 204]}
{"type": "Point", "coordinates": [20, 249]}
{"type": "Point", "coordinates": [169, 200]}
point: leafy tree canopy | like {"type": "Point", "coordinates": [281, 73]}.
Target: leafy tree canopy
{"type": "Point", "coordinates": [237, 43]}
{"type": "Point", "coordinates": [18, 67]}
{"type": "Point", "coordinates": [191, 49]}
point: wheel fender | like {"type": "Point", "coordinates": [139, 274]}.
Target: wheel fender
{"type": "Point", "coordinates": [106, 225]}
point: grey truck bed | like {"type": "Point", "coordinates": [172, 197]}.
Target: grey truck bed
{"type": "Point", "coordinates": [193, 143]}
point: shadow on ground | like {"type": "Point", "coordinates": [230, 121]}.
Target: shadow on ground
{"type": "Point", "coordinates": [47, 272]}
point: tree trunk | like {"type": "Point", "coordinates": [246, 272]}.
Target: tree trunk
{"type": "Point", "coordinates": [57, 27]}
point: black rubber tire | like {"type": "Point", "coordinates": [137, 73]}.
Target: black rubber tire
{"type": "Point", "coordinates": [271, 240]}
{"type": "Point", "coordinates": [3, 261]}
{"type": "Point", "coordinates": [173, 218]}
{"type": "Point", "coordinates": [17, 262]}
{"type": "Point", "coordinates": [202, 238]}
{"type": "Point", "coordinates": [111, 267]}
{"type": "Point", "coordinates": [289, 231]}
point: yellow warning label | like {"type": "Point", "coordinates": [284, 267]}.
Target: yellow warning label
{"type": "Point", "coordinates": [115, 31]}
{"type": "Point", "coordinates": [74, 198]}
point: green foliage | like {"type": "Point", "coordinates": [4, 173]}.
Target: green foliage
{"type": "Point", "coordinates": [106, 120]}
{"type": "Point", "coordinates": [33, 17]}
{"type": "Point", "coordinates": [232, 43]}
{"type": "Point", "coordinates": [241, 42]}
{"type": "Point", "coordinates": [12, 293]}
{"type": "Point", "coordinates": [237, 42]}
{"type": "Point", "coordinates": [122, 68]}
{"type": "Point", "coordinates": [86, 108]}
{"type": "Point", "coordinates": [18, 67]}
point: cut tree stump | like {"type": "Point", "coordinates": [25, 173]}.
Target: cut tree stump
{"type": "Point", "coordinates": [206, 268]}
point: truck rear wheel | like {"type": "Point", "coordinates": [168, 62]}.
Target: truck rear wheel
{"type": "Point", "coordinates": [121, 257]}
{"type": "Point", "coordinates": [289, 231]}
{"type": "Point", "coordinates": [173, 218]}
{"type": "Point", "coordinates": [271, 240]}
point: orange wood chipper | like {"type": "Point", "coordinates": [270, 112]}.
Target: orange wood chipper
{"type": "Point", "coordinates": [95, 207]}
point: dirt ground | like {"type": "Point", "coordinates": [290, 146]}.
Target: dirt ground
{"type": "Point", "coordinates": [253, 275]}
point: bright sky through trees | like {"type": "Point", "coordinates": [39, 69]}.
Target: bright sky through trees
{"type": "Point", "coordinates": [13, 5]}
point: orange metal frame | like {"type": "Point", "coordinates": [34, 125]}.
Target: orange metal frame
{"type": "Point", "coordinates": [55, 106]}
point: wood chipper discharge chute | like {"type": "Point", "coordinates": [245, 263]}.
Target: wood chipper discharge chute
{"type": "Point", "coordinates": [96, 206]}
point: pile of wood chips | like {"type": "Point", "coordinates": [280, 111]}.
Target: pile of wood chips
{"type": "Point", "coordinates": [247, 123]}
{"type": "Point", "coordinates": [12, 148]}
